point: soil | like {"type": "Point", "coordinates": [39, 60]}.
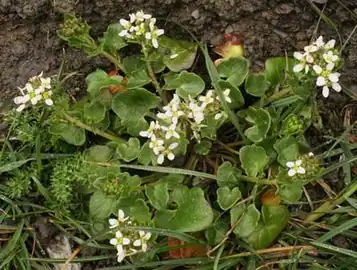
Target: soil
{"type": "Point", "coordinates": [29, 42]}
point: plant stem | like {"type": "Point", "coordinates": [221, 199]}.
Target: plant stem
{"type": "Point", "coordinates": [277, 95]}
{"type": "Point", "coordinates": [114, 60]}
{"type": "Point", "coordinates": [97, 131]}
{"type": "Point", "coordinates": [330, 205]}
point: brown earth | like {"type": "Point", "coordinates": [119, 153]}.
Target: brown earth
{"type": "Point", "coordinates": [29, 43]}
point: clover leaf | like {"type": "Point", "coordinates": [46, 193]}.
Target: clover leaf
{"type": "Point", "coordinates": [253, 159]}
{"type": "Point", "coordinates": [261, 121]}
{"type": "Point", "coordinates": [256, 85]}
{"type": "Point", "coordinates": [185, 83]}
{"type": "Point", "coordinates": [227, 197]}
{"type": "Point", "coordinates": [132, 106]}
{"type": "Point", "coordinates": [234, 69]}
{"type": "Point", "coordinates": [128, 151]}
{"type": "Point", "coordinates": [193, 212]}
{"type": "Point", "coordinates": [227, 175]}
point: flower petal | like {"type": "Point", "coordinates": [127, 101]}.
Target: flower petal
{"type": "Point", "coordinates": [290, 164]}
{"type": "Point", "coordinates": [317, 69]}
{"type": "Point", "coordinates": [173, 146]}
{"type": "Point", "coordinates": [297, 68]}
{"type": "Point", "coordinates": [321, 81]}
{"type": "Point", "coordinates": [291, 172]}
{"type": "Point", "coordinates": [49, 102]}
{"type": "Point", "coordinates": [298, 162]}
{"type": "Point", "coordinates": [137, 243]}
{"type": "Point", "coordinates": [155, 43]}
{"type": "Point", "coordinates": [113, 241]}
{"type": "Point", "coordinates": [160, 159]}
{"type": "Point", "coordinates": [337, 87]}
{"type": "Point", "coordinates": [113, 223]}
{"type": "Point", "coordinates": [170, 156]}
{"type": "Point", "coordinates": [325, 91]}
{"type": "Point", "coordinates": [126, 241]}
{"type": "Point", "coordinates": [298, 55]}
{"type": "Point", "coordinates": [334, 77]}
{"type": "Point", "coordinates": [301, 170]}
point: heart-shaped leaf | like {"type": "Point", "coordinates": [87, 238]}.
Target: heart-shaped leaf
{"type": "Point", "coordinates": [249, 221]}
{"type": "Point", "coordinates": [69, 133]}
{"type": "Point", "coordinates": [227, 197]}
{"type": "Point", "coordinates": [128, 151]}
{"type": "Point", "coordinates": [99, 153]}
{"type": "Point", "coordinates": [185, 83]}
{"type": "Point", "coordinates": [132, 106]}
{"type": "Point", "coordinates": [193, 212]}
{"type": "Point", "coordinates": [94, 112]}
{"type": "Point", "coordinates": [287, 149]}
{"type": "Point", "coordinates": [99, 79]}
{"type": "Point", "coordinates": [102, 205]}
{"type": "Point", "coordinates": [158, 195]}
{"type": "Point", "coordinates": [256, 85]}
{"type": "Point", "coordinates": [253, 159]}
{"type": "Point", "coordinates": [234, 69]}
{"type": "Point", "coordinates": [274, 219]}
{"type": "Point", "coordinates": [227, 175]}
{"type": "Point", "coordinates": [261, 121]}
{"type": "Point", "coordinates": [182, 53]}
{"type": "Point", "coordinates": [290, 192]}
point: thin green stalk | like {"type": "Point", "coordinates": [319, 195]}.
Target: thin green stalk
{"type": "Point", "coordinates": [278, 95]}
{"type": "Point", "coordinates": [330, 205]}
{"type": "Point", "coordinates": [97, 131]}
{"type": "Point", "coordinates": [114, 60]}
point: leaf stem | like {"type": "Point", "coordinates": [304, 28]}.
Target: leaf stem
{"type": "Point", "coordinates": [277, 95]}
{"type": "Point", "coordinates": [114, 60]}
{"type": "Point", "coordinates": [97, 131]}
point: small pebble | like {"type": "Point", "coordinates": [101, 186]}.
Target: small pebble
{"type": "Point", "coordinates": [195, 14]}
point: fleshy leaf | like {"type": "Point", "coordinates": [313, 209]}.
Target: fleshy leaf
{"type": "Point", "coordinates": [185, 83]}
{"type": "Point", "coordinates": [276, 69]}
{"type": "Point", "coordinates": [99, 79]}
{"type": "Point", "coordinates": [256, 85]}
{"type": "Point", "coordinates": [290, 192]}
{"type": "Point", "coordinates": [184, 52]}
{"type": "Point", "coordinates": [140, 212]}
{"type": "Point", "coordinates": [227, 197]}
{"type": "Point", "coordinates": [128, 151]}
{"type": "Point", "coordinates": [261, 121]}
{"type": "Point", "coordinates": [94, 112]}
{"type": "Point", "coordinates": [274, 219]}
{"type": "Point", "coordinates": [217, 232]}
{"type": "Point", "coordinates": [193, 212]}
{"type": "Point", "coordinates": [135, 69]}
{"type": "Point", "coordinates": [249, 222]}
{"type": "Point", "coordinates": [253, 159]}
{"type": "Point", "coordinates": [132, 106]}
{"type": "Point", "coordinates": [146, 155]}
{"type": "Point", "coordinates": [158, 195]}
{"type": "Point", "coordinates": [101, 205]}
{"type": "Point", "coordinates": [227, 175]}
{"type": "Point", "coordinates": [69, 133]}
{"type": "Point", "coordinates": [287, 149]}
{"type": "Point", "coordinates": [234, 69]}
{"type": "Point", "coordinates": [99, 153]}
{"type": "Point", "coordinates": [111, 41]}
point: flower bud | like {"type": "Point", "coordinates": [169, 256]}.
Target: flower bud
{"type": "Point", "coordinates": [231, 47]}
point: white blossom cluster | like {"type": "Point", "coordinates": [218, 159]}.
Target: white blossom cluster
{"type": "Point", "coordinates": [37, 89]}
{"type": "Point", "coordinates": [164, 134]}
{"type": "Point", "coordinates": [141, 26]}
{"type": "Point", "coordinates": [127, 242]}
{"type": "Point", "coordinates": [322, 59]}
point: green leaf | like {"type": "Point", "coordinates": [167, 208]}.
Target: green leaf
{"type": "Point", "coordinates": [14, 165]}
{"type": "Point", "coordinates": [111, 41]}
{"type": "Point", "coordinates": [128, 151]}
{"type": "Point", "coordinates": [236, 213]}
{"type": "Point", "coordinates": [234, 69]}
{"type": "Point", "coordinates": [235, 94]}
{"type": "Point", "coordinates": [185, 83]}
{"type": "Point", "coordinates": [274, 219]}
{"type": "Point", "coordinates": [256, 85]}
{"type": "Point", "coordinates": [132, 106]}
{"type": "Point", "coordinates": [185, 53]}
{"type": "Point", "coordinates": [217, 232]}
{"type": "Point", "coordinates": [146, 155]}
{"type": "Point", "coordinates": [203, 147]}
{"type": "Point", "coordinates": [137, 79]}
{"type": "Point", "coordinates": [290, 192]}
{"type": "Point", "coordinates": [140, 212]}
{"type": "Point", "coordinates": [287, 149]}
{"type": "Point", "coordinates": [99, 153]}
{"type": "Point", "coordinates": [193, 212]}
{"type": "Point", "coordinates": [94, 112]}
{"type": "Point", "coordinates": [99, 79]}
{"type": "Point", "coordinates": [253, 159]}
{"type": "Point", "coordinates": [261, 121]}
{"type": "Point", "coordinates": [158, 195]}
{"type": "Point", "coordinates": [101, 205]}
{"type": "Point", "coordinates": [276, 69]}
{"type": "Point", "coordinates": [248, 222]}
{"type": "Point", "coordinates": [69, 133]}
{"type": "Point", "coordinates": [227, 197]}
{"type": "Point", "coordinates": [227, 175]}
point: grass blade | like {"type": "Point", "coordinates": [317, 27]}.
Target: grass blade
{"type": "Point", "coordinates": [343, 227]}
{"type": "Point", "coordinates": [335, 249]}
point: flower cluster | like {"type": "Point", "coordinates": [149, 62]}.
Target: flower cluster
{"type": "Point", "coordinates": [322, 59]}
{"type": "Point", "coordinates": [127, 242]}
{"type": "Point", "coordinates": [35, 90]}
{"type": "Point", "coordinates": [141, 26]}
{"type": "Point", "coordinates": [164, 134]}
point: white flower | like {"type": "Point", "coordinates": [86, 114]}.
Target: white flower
{"type": "Point", "coordinates": [170, 131]}
{"type": "Point", "coordinates": [207, 99]}
{"type": "Point", "coordinates": [156, 145]}
{"type": "Point", "coordinates": [295, 167]}
{"type": "Point", "coordinates": [120, 253]}
{"type": "Point", "coordinates": [172, 110]}
{"type": "Point", "coordinates": [327, 81]}
{"type": "Point", "coordinates": [116, 222]}
{"type": "Point", "coordinates": [153, 35]}
{"type": "Point", "coordinates": [319, 42]}
{"type": "Point", "coordinates": [219, 115]}
{"type": "Point", "coordinates": [310, 154]}
{"type": "Point", "coordinates": [330, 45]}
{"type": "Point", "coordinates": [310, 49]}
{"type": "Point", "coordinates": [132, 17]}
{"type": "Point", "coordinates": [167, 152]}
{"type": "Point", "coordinates": [173, 56]}
{"type": "Point", "coordinates": [119, 240]}
{"type": "Point", "coordinates": [127, 27]}
{"type": "Point", "coordinates": [226, 95]}
{"type": "Point", "coordinates": [330, 57]}
{"type": "Point", "coordinates": [142, 241]}
{"type": "Point", "coordinates": [46, 83]}
{"type": "Point", "coordinates": [141, 16]}
{"type": "Point", "coordinates": [154, 125]}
